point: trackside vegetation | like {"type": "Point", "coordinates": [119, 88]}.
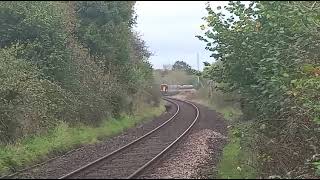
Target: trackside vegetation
{"type": "Point", "coordinates": [64, 137]}
{"type": "Point", "coordinates": [267, 53]}
{"type": "Point", "coordinates": [70, 73]}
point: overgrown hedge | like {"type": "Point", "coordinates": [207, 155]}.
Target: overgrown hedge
{"type": "Point", "coordinates": [69, 61]}
{"type": "Point", "coordinates": [268, 52]}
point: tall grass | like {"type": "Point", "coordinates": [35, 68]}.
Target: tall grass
{"type": "Point", "coordinates": [62, 138]}
{"type": "Point", "coordinates": [220, 102]}
{"type": "Point", "coordinates": [237, 159]}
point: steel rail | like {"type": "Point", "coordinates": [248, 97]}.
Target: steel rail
{"type": "Point", "coordinates": [39, 164]}
{"type": "Point", "coordinates": [140, 170]}
{"type": "Point", "coordinates": [124, 147]}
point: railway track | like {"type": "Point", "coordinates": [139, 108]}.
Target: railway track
{"type": "Point", "coordinates": [39, 164]}
{"type": "Point", "coordinates": [132, 159]}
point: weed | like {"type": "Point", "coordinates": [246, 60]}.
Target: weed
{"type": "Point", "coordinates": [62, 138]}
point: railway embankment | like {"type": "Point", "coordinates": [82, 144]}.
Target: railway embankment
{"type": "Point", "coordinates": [73, 141]}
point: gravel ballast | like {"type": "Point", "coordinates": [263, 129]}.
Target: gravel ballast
{"type": "Point", "coordinates": [197, 155]}
{"type": "Point", "coordinates": [88, 153]}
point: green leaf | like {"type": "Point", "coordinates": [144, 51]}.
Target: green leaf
{"type": "Point", "coordinates": [317, 120]}
{"type": "Point", "coordinates": [265, 91]}
{"type": "Point", "coordinates": [285, 75]}
{"type": "Point", "coordinates": [268, 16]}
{"type": "Point", "coordinates": [202, 27]}
{"type": "Point", "coordinates": [293, 81]}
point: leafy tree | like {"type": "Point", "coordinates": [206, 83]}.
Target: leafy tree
{"type": "Point", "coordinates": [262, 51]}
{"type": "Point", "coordinates": [206, 64]}
{"type": "Point", "coordinates": [183, 66]}
{"type": "Point", "coordinates": [69, 61]}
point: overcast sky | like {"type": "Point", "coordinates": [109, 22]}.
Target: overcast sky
{"type": "Point", "coordinates": [169, 29]}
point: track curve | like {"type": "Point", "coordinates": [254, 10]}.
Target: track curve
{"type": "Point", "coordinates": [130, 161]}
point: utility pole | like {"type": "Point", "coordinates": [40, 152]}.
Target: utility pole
{"type": "Point", "coordinates": [198, 60]}
{"type": "Point", "coordinates": [198, 67]}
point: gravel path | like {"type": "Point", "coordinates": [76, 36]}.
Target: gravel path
{"type": "Point", "coordinates": [88, 153]}
{"type": "Point", "coordinates": [198, 154]}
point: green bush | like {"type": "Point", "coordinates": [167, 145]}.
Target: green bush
{"type": "Point", "coordinates": [236, 161]}
{"type": "Point", "coordinates": [68, 61]}
{"type": "Point", "coordinates": [63, 137]}
{"type": "Point", "coordinates": [266, 51]}
{"type": "Point", "coordinates": [29, 104]}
